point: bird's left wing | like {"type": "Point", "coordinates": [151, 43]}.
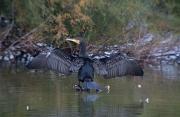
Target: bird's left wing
{"type": "Point", "coordinates": [55, 60]}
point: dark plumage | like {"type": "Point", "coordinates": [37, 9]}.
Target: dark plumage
{"type": "Point", "coordinates": [109, 67]}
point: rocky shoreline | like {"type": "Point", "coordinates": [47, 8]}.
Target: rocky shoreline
{"type": "Point", "coordinates": [22, 56]}
{"type": "Point", "coordinates": [164, 52]}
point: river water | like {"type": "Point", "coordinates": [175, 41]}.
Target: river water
{"type": "Point", "coordinates": [24, 93]}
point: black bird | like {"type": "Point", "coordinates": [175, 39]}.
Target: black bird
{"type": "Point", "coordinates": [109, 67]}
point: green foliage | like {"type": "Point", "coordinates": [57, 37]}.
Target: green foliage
{"type": "Point", "coordinates": [112, 17]}
{"type": "Point", "coordinates": [5, 7]}
{"type": "Point", "coordinates": [99, 19]}
{"type": "Point", "coordinates": [30, 12]}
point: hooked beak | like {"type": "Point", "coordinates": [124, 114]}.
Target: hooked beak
{"type": "Point", "coordinates": [73, 40]}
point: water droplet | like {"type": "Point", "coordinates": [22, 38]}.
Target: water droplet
{"type": "Point", "coordinates": [27, 107]}
{"type": "Point", "coordinates": [147, 100]}
{"type": "Point", "coordinates": [139, 85]}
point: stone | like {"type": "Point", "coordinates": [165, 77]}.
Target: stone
{"type": "Point", "coordinates": [166, 41]}
{"type": "Point", "coordinates": [173, 57]}
{"type": "Point", "coordinates": [169, 52]}
{"type": "Point", "coordinates": [18, 53]}
{"type": "Point", "coordinates": [13, 48]}
{"type": "Point", "coordinates": [24, 55]}
{"type": "Point", "coordinates": [148, 37]}
{"type": "Point", "coordinates": [115, 46]}
{"type": "Point", "coordinates": [11, 56]}
{"type": "Point", "coordinates": [156, 54]}
{"type": "Point", "coordinates": [177, 54]}
{"type": "Point", "coordinates": [40, 44]}
{"type": "Point", "coordinates": [6, 58]}
{"type": "Point", "coordinates": [90, 54]}
{"type": "Point", "coordinates": [107, 53]}
{"type": "Point", "coordinates": [130, 25]}
{"type": "Point", "coordinates": [18, 47]}
{"type": "Point", "coordinates": [6, 52]}
{"type": "Point", "coordinates": [167, 58]}
{"type": "Point", "coordinates": [164, 62]}
{"type": "Point", "coordinates": [176, 48]}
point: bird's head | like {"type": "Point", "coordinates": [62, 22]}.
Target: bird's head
{"type": "Point", "coordinates": [82, 45]}
{"type": "Point", "coordinates": [77, 41]}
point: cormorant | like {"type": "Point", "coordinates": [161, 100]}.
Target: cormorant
{"type": "Point", "coordinates": [109, 67]}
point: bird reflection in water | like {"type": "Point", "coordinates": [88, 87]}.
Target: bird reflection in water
{"type": "Point", "coordinates": [87, 107]}
{"type": "Point", "coordinates": [86, 104]}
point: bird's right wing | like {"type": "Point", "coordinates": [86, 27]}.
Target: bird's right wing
{"type": "Point", "coordinates": [117, 65]}
{"type": "Point", "coordinates": [55, 60]}
{"type": "Point", "coordinates": [100, 68]}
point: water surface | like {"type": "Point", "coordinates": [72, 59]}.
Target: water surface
{"type": "Point", "coordinates": [45, 94]}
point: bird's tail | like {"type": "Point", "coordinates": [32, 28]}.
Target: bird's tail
{"type": "Point", "coordinates": [91, 85]}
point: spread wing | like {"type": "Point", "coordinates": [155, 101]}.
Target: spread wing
{"type": "Point", "coordinates": [117, 65]}
{"type": "Point", "coordinates": [55, 60]}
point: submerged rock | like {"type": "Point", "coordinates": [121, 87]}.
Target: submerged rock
{"type": "Point", "coordinates": [6, 58]}
{"type": "Point", "coordinates": [20, 55]}
{"type": "Point", "coordinates": [1, 57]}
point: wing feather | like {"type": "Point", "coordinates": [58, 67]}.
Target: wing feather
{"type": "Point", "coordinates": [56, 61]}
{"type": "Point", "coordinates": [100, 68]}
{"type": "Point", "coordinates": [117, 65]}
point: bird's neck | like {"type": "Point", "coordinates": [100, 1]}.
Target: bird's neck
{"type": "Point", "coordinates": [82, 49]}
{"type": "Point", "coordinates": [87, 61]}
